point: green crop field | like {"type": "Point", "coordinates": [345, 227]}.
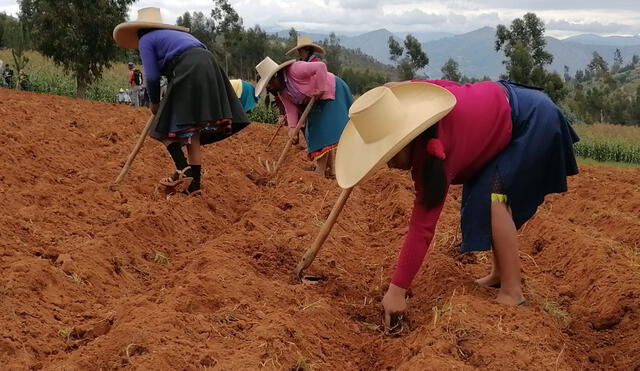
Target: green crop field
{"type": "Point", "coordinates": [609, 143]}
{"type": "Point", "coordinates": [46, 77]}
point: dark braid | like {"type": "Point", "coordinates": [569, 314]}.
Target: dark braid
{"type": "Point", "coordinates": [433, 176]}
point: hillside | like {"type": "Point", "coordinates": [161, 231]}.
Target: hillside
{"type": "Point", "coordinates": [95, 277]}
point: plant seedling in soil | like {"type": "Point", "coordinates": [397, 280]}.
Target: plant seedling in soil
{"type": "Point", "coordinates": [555, 310]}
{"type": "Point", "coordinates": [161, 258]}
{"type": "Point", "coordinates": [303, 364]}
{"type": "Point", "coordinates": [65, 332]}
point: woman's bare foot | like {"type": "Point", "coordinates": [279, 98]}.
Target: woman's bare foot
{"type": "Point", "coordinates": [489, 280]}
{"type": "Point", "coordinates": [510, 298]}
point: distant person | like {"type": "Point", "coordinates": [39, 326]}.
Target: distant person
{"type": "Point", "coordinates": [246, 93]}
{"type": "Point", "coordinates": [23, 79]}
{"type": "Point", "coordinates": [509, 146]}
{"type": "Point", "coordinates": [7, 74]}
{"type": "Point", "coordinates": [135, 81]}
{"type": "Point", "coordinates": [307, 50]}
{"type": "Point", "coordinates": [144, 96]}
{"type": "Point", "coordinates": [200, 106]}
{"type": "Point", "coordinates": [123, 97]}
{"type": "Point", "coordinates": [163, 87]}
{"type": "Point", "coordinates": [295, 82]}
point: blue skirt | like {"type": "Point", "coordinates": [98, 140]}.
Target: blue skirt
{"type": "Point", "coordinates": [327, 119]}
{"type": "Point", "coordinates": [535, 163]}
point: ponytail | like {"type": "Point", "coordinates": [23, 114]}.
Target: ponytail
{"type": "Point", "coordinates": [433, 176]}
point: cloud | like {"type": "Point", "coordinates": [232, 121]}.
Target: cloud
{"type": "Point", "coordinates": [591, 27]}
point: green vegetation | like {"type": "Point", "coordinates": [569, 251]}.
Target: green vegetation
{"type": "Point", "coordinates": [609, 143]}
{"type": "Point", "coordinates": [46, 77]}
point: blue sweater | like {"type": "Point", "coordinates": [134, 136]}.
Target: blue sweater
{"type": "Point", "coordinates": [157, 49]}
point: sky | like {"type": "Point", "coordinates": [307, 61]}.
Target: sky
{"type": "Point", "coordinates": [563, 18]}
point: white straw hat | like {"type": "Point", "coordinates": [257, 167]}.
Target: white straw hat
{"type": "Point", "coordinates": [306, 41]}
{"type": "Point", "coordinates": [266, 69]}
{"type": "Point", "coordinates": [126, 34]}
{"type": "Point", "coordinates": [382, 122]}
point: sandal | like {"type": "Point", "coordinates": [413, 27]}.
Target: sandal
{"type": "Point", "coordinates": [178, 180]}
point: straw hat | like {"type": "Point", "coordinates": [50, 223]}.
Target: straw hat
{"type": "Point", "coordinates": [382, 122]}
{"type": "Point", "coordinates": [306, 41]}
{"type": "Point", "coordinates": [236, 84]}
{"type": "Point", "coordinates": [266, 69]}
{"type": "Point", "coordinates": [126, 34]}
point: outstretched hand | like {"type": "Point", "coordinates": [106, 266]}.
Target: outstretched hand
{"type": "Point", "coordinates": [394, 304]}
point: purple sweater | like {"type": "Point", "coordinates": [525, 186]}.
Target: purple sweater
{"type": "Point", "coordinates": [157, 50]}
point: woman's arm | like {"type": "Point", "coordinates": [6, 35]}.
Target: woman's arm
{"type": "Point", "coordinates": [422, 226]}
{"type": "Point", "coordinates": [291, 111]}
{"type": "Point", "coordinates": [151, 67]}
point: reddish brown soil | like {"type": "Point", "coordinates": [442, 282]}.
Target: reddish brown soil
{"type": "Point", "coordinates": [94, 278]}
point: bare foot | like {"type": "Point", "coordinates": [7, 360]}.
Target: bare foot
{"type": "Point", "coordinates": [515, 298]}
{"type": "Point", "coordinates": [490, 280]}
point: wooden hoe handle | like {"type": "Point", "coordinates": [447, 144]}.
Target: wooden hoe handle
{"type": "Point", "coordinates": [134, 152]}
{"type": "Point", "coordinates": [311, 252]}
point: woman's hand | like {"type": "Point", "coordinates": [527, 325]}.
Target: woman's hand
{"type": "Point", "coordinates": [394, 304]}
{"type": "Point", "coordinates": [296, 138]}
{"type": "Point", "coordinates": [154, 106]}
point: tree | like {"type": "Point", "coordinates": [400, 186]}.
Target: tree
{"type": "Point", "coordinates": [580, 76]}
{"type": "Point", "coordinates": [332, 58]}
{"type": "Point", "coordinates": [395, 49]}
{"type": "Point", "coordinates": [598, 67]}
{"type": "Point", "coordinates": [293, 37]}
{"type": "Point", "coordinates": [617, 61]}
{"type": "Point", "coordinates": [228, 27]}
{"type": "Point", "coordinates": [16, 37]}
{"type": "Point", "coordinates": [414, 59]}
{"type": "Point", "coordinates": [76, 34]}
{"type": "Point", "coordinates": [450, 71]}
{"type": "Point", "coordinates": [523, 45]}
{"type": "Point", "coordinates": [567, 75]}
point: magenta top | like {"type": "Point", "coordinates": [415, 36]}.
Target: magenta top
{"type": "Point", "coordinates": [472, 134]}
{"type": "Point", "coordinates": [304, 79]}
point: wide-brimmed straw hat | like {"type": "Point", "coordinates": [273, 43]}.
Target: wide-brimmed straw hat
{"type": "Point", "coordinates": [126, 34]}
{"type": "Point", "coordinates": [382, 122]}
{"type": "Point", "coordinates": [266, 70]}
{"type": "Point", "coordinates": [306, 41]}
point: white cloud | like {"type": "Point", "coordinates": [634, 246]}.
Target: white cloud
{"type": "Point", "coordinates": [454, 16]}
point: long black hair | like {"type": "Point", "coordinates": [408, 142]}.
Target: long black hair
{"type": "Point", "coordinates": [144, 31]}
{"type": "Point", "coordinates": [432, 173]}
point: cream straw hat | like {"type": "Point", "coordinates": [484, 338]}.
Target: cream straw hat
{"type": "Point", "coordinates": [267, 69]}
{"type": "Point", "coordinates": [306, 41]}
{"type": "Point", "coordinates": [126, 34]}
{"type": "Point", "coordinates": [382, 122]}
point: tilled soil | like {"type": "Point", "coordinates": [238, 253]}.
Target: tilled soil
{"type": "Point", "coordinates": [95, 277]}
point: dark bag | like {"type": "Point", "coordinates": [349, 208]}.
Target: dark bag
{"type": "Point", "coordinates": [137, 77]}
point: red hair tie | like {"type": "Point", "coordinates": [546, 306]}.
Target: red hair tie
{"type": "Point", "coordinates": [434, 147]}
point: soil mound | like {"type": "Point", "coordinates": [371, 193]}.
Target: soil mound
{"type": "Point", "coordinates": [95, 278]}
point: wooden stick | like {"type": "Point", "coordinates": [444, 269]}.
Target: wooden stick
{"type": "Point", "coordinates": [303, 118]}
{"type": "Point", "coordinates": [281, 123]}
{"type": "Point", "coordinates": [311, 252]}
{"type": "Point", "coordinates": [134, 152]}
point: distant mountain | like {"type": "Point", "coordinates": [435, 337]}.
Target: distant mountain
{"type": "Point", "coordinates": [475, 51]}
{"type": "Point", "coordinates": [476, 55]}
{"type": "Point", "coordinates": [374, 43]}
{"type": "Point", "coordinates": [590, 39]}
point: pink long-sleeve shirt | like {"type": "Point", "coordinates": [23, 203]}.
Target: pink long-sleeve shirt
{"type": "Point", "coordinates": [307, 78]}
{"type": "Point", "coordinates": [472, 134]}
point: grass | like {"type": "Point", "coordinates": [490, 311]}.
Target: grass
{"type": "Point", "coordinates": [555, 310]}
{"type": "Point", "coordinates": [46, 77]}
{"type": "Point", "coordinates": [609, 143]}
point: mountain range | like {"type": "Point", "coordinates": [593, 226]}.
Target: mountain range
{"type": "Point", "coordinates": [475, 50]}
